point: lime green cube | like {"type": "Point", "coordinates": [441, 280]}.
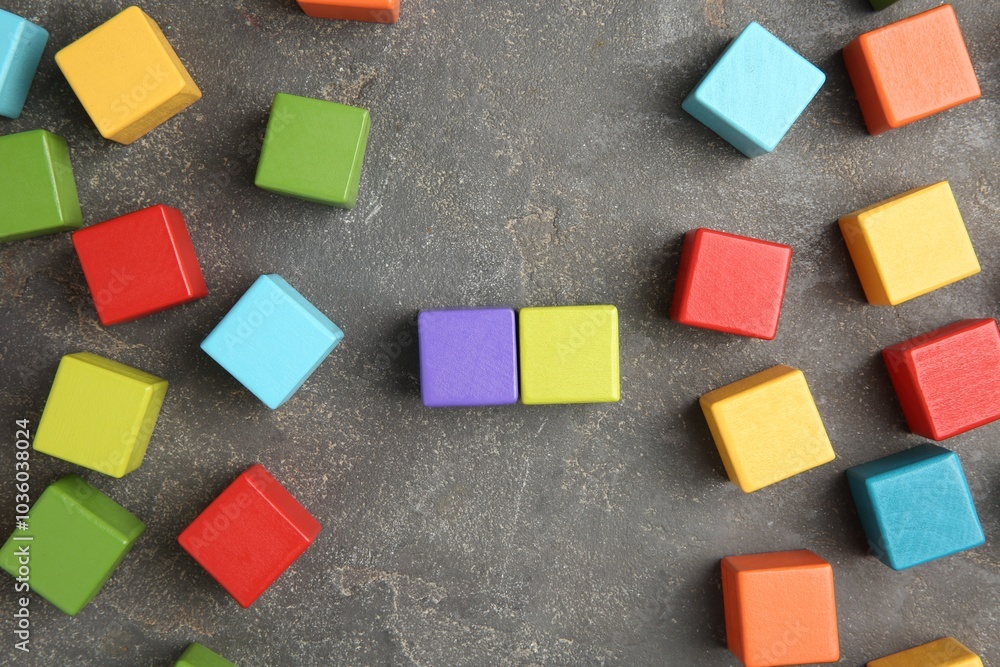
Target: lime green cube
{"type": "Point", "coordinates": [74, 540]}
{"type": "Point", "coordinates": [314, 150]}
{"type": "Point", "coordinates": [37, 189]}
{"type": "Point", "coordinates": [197, 655]}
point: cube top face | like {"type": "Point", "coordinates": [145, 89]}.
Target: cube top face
{"type": "Point", "coordinates": [945, 652]}
{"type": "Point", "coordinates": [946, 379]}
{"type": "Point", "coordinates": [127, 76]}
{"type": "Point", "coordinates": [569, 354]}
{"type": "Point", "coordinates": [314, 150]}
{"type": "Point", "coordinates": [909, 245]}
{"type": "Point", "coordinates": [915, 506]}
{"type": "Point", "coordinates": [21, 46]}
{"type": "Point", "coordinates": [79, 536]}
{"type": "Point", "coordinates": [780, 609]}
{"type": "Point", "coordinates": [139, 264]}
{"type": "Point", "coordinates": [767, 428]}
{"type": "Point", "coordinates": [250, 534]}
{"type": "Point", "coordinates": [468, 357]}
{"type": "Point", "coordinates": [730, 283]}
{"type": "Point", "coordinates": [37, 187]}
{"type": "Point", "coordinates": [197, 655]}
{"type": "Point", "coordinates": [911, 69]}
{"type": "Point", "coordinates": [272, 340]}
{"type": "Point", "coordinates": [375, 11]}
{"type": "Point", "coordinates": [100, 414]}
{"type": "Point", "coordinates": [755, 91]}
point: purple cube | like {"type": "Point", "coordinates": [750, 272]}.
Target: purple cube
{"type": "Point", "coordinates": [468, 357]}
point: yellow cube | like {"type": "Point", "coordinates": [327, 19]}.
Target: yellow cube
{"type": "Point", "coordinates": [569, 354]}
{"type": "Point", "coordinates": [100, 414]}
{"type": "Point", "coordinates": [127, 76]}
{"type": "Point", "coordinates": [941, 653]}
{"type": "Point", "coordinates": [909, 245]}
{"type": "Point", "coordinates": [767, 427]}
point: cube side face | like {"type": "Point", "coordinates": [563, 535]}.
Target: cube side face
{"type": "Point", "coordinates": [870, 95]}
{"type": "Point", "coordinates": [99, 416]}
{"type": "Point", "coordinates": [139, 264]}
{"type": "Point", "coordinates": [860, 251]}
{"type": "Point", "coordinates": [755, 91]}
{"type": "Point", "coordinates": [244, 541]}
{"type": "Point", "coordinates": [732, 284]}
{"type": "Point", "coordinates": [945, 652]}
{"type": "Point", "coordinates": [21, 46]}
{"type": "Point", "coordinates": [271, 342]}
{"type": "Point", "coordinates": [197, 655]}
{"type": "Point", "coordinates": [279, 497]}
{"type": "Point", "coordinates": [921, 65]}
{"type": "Point", "coordinates": [36, 186]}
{"type": "Point", "coordinates": [919, 242]}
{"type": "Point", "coordinates": [314, 150]}
{"type": "Point", "coordinates": [74, 551]}
{"type": "Point", "coordinates": [902, 373]}
{"type": "Point", "coordinates": [127, 76]}
{"type": "Point", "coordinates": [468, 357]}
{"type": "Point", "coordinates": [373, 11]}
{"type": "Point", "coordinates": [569, 354]}
{"type": "Point", "coordinates": [768, 428]}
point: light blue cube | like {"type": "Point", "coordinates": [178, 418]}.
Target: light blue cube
{"type": "Point", "coordinates": [272, 340]}
{"type": "Point", "coordinates": [21, 46]}
{"type": "Point", "coordinates": [915, 506]}
{"type": "Point", "coordinates": [755, 91]}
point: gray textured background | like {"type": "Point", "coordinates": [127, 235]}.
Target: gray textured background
{"type": "Point", "coordinates": [524, 152]}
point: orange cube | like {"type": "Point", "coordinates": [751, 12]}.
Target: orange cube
{"type": "Point", "coordinates": [374, 11]}
{"type": "Point", "coordinates": [911, 69]}
{"type": "Point", "coordinates": [780, 609]}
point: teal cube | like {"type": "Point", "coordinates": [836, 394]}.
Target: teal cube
{"type": "Point", "coordinates": [21, 46]}
{"type": "Point", "coordinates": [75, 539]}
{"type": "Point", "coordinates": [755, 91]}
{"type": "Point", "coordinates": [37, 188]}
{"type": "Point", "coordinates": [915, 506]}
{"type": "Point", "coordinates": [197, 655]}
{"type": "Point", "coordinates": [314, 150]}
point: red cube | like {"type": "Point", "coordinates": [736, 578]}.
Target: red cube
{"type": "Point", "coordinates": [730, 283]}
{"type": "Point", "coordinates": [948, 380]}
{"type": "Point", "coordinates": [375, 11]}
{"type": "Point", "coordinates": [250, 534]}
{"type": "Point", "coordinates": [139, 264]}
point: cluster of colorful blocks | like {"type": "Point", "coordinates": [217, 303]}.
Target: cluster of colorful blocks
{"type": "Point", "coordinates": [915, 506]}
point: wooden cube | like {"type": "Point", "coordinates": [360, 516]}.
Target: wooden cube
{"type": "Point", "coordinates": [755, 91]}
{"type": "Point", "coordinates": [767, 428]}
{"type": "Point", "coordinates": [75, 539]}
{"type": "Point", "coordinates": [314, 150]}
{"type": "Point", "coordinates": [100, 414]}
{"type": "Point", "coordinates": [780, 609]}
{"type": "Point", "coordinates": [375, 11]}
{"type": "Point", "coordinates": [139, 264]}
{"type": "Point", "coordinates": [569, 354]}
{"type": "Point", "coordinates": [730, 283]}
{"type": "Point", "coordinates": [37, 189]}
{"type": "Point", "coordinates": [468, 357]}
{"type": "Point", "coordinates": [127, 76]}
{"type": "Point", "coordinates": [911, 69]}
{"type": "Point", "coordinates": [909, 245]}
{"type": "Point", "coordinates": [272, 340]}
{"type": "Point", "coordinates": [946, 652]}
{"type": "Point", "coordinates": [250, 534]}
{"type": "Point", "coordinates": [21, 46]}
{"type": "Point", "coordinates": [197, 655]}
{"type": "Point", "coordinates": [915, 506]}
{"type": "Point", "coordinates": [946, 379]}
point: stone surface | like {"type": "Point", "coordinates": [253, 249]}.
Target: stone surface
{"type": "Point", "coordinates": [525, 152]}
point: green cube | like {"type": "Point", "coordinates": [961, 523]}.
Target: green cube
{"type": "Point", "coordinates": [37, 190]}
{"type": "Point", "coordinates": [76, 537]}
{"type": "Point", "coordinates": [197, 655]}
{"type": "Point", "coordinates": [314, 150]}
